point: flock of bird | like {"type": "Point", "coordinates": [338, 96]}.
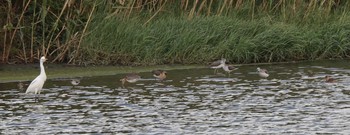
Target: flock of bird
{"type": "Point", "coordinates": [229, 68]}
{"type": "Point", "coordinates": [37, 84]}
{"type": "Point", "coordinates": [133, 77]}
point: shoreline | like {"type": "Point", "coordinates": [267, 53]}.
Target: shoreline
{"type": "Point", "coordinates": [27, 72]}
{"type": "Point", "coordinates": [16, 73]}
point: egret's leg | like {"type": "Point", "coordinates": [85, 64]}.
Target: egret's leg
{"type": "Point", "coordinates": [36, 98]}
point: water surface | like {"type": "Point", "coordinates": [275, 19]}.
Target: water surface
{"type": "Point", "coordinates": [294, 99]}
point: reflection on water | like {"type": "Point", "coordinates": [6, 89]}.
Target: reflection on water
{"type": "Point", "coordinates": [294, 99]}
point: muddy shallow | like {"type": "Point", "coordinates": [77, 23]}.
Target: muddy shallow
{"type": "Point", "coordinates": [294, 99]}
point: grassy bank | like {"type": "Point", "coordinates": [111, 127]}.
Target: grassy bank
{"type": "Point", "coordinates": [16, 73]}
{"type": "Point", "coordinates": [151, 32]}
{"type": "Point", "coordinates": [203, 39]}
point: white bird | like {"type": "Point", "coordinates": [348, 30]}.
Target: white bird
{"type": "Point", "coordinates": [218, 64]}
{"type": "Point", "coordinates": [262, 72]}
{"type": "Point", "coordinates": [38, 83]}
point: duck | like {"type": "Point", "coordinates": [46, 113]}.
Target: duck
{"type": "Point", "coordinates": [131, 78]}
{"type": "Point", "coordinates": [262, 72]}
{"type": "Point", "coordinates": [21, 85]}
{"type": "Point", "coordinates": [328, 79]}
{"type": "Point", "coordinates": [75, 82]}
{"type": "Point", "coordinates": [160, 74]}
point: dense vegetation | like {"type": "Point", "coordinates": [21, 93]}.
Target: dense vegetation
{"type": "Point", "coordinates": [149, 32]}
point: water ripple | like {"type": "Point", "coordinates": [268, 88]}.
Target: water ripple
{"type": "Point", "coordinates": [293, 100]}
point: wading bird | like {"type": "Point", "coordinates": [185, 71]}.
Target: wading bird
{"type": "Point", "coordinates": [38, 83]}
{"type": "Point", "coordinates": [328, 79]}
{"type": "Point", "coordinates": [131, 78]}
{"type": "Point", "coordinates": [160, 74]}
{"type": "Point", "coordinates": [229, 68]}
{"type": "Point", "coordinates": [262, 72]}
{"type": "Point", "coordinates": [218, 64]}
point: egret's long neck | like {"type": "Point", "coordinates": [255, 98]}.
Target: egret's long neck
{"type": "Point", "coordinates": [42, 69]}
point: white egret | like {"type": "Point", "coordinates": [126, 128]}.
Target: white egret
{"type": "Point", "coordinates": [38, 83]}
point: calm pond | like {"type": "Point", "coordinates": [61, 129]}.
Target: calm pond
{"type": "Point", "coordinates": [294, 99]}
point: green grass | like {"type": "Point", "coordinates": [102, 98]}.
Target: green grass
{"type": "Point", "coordinates": [153, 32]}
{"type": "Point", "coordinates": [174, 40]}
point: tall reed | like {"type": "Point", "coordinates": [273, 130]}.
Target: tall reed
{"type": "Point", "coordinates": [172, 31]}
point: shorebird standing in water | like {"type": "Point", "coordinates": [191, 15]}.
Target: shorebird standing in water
{"type": "Point", "coordinates": [229, 68]}
{"type": "Point", "coordinates": [328, 79]}
{"type": "Point", "coordinates": [37, 84]}
{"type": "Point", "coordinates": [131, 78]}
{"type": "Point", "coordinates": [218, 64]}
{"type": "Point", "coordinates": [262, 72]}
{"type": "Point", "coordinates": [160, 74]}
